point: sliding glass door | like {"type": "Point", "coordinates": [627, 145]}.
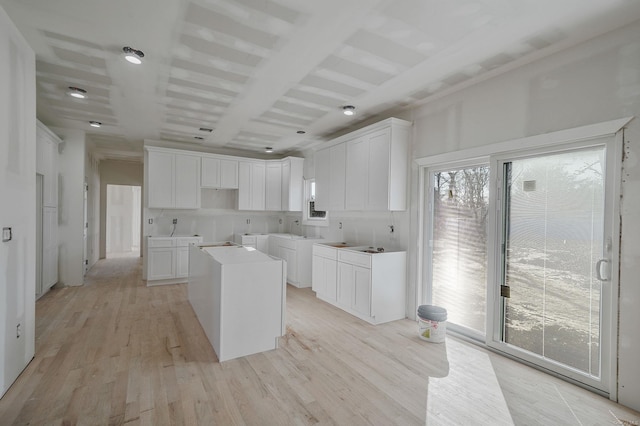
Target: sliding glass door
{"type": "Point", "coordinates": [458, 240]}
{"type": "Point", "coordinates": [518, 250]}
{"type": "Point", "coordinates": [553, 260]}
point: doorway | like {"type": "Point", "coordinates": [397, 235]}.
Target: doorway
{"type": "Point", "coordinates": [554, 268]}
{"type": "Point", "coordinates": [123, 221]}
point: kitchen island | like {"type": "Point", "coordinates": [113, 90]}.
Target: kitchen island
{"type": "Point", "coordinates": [239, 297]}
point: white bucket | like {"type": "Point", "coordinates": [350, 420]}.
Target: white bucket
{"type": "Point", "coordinates": [432, 331]}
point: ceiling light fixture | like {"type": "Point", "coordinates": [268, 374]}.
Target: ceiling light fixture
{"type": "Point", "coordinates": [133, 55]}
{"type": "Point", "coordinates": [268, 149]}
{"type": "Point", "coordinates": [77, 93]}
{"type": "Point", "coordinates": [349, 110]}
{"type": "Point", "coordinates": [95, 123]}
{"type": "Point", "coordinates": [206, 129]}
{"type": "Point", "coordinates": [200, 138]}
{"type": "Point", "coordinates": [301, 132]}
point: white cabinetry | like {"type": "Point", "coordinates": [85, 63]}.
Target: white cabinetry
{"type": "Point", "coordinates": [259, 242]}
{"type": "Point", "coordinates": [331, 178]}
{"type": "Point", "coordinates": [284, 184]}
{"type": "Point", "coordinates": [168, 259]}
{"type": "Point", "coordinates": [219, 173]}
{"type": "Point", "coordinates": [172, 179]}
{"type": "Point", "coordinates": [369, 286]}
{"type": "Point", "coordinates": [324, 274]}
{"type": "Point", "coordinates": [47, 166]}
{"type": "Point", "coordinates": [365, 170]}
{"type": "Point", "coordinates": [292, 184]}
{"type": "Point", "coordinates": [251, 185]}
{"type": "Point", "coordinates": [296, 251]}
{"type": "Point", "coordinates": [273, 186]}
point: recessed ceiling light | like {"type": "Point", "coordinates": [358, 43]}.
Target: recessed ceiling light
{"type": "Point", "coordinates": [301, 132]}
{"type": "Point", "coordinates": [268, 149]}
{"type": "Point", "coordinates": [133, 55]}
{"type": "Point", "coordinates": [349, 110]}
{"type": "Point", "coordinates": [77, 93]}
{"type": "Point", "coordinates": [95, 123]}
{"type": "Point", "coordinates": [206, 129]}
{"type": "Point", "coordinates": [200, 138]}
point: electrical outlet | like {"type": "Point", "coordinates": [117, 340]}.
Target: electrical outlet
{"type": "Point", "coordinates": [6, 235]}
{"type": "Point", "coordinates": [175, 221]}
{"type": "Point", "coordinates": [339, 225]}
{"type": "Point", "coordinates": [248, 221]}
{"type": "Point", "coordinates": [18, 331]}
{"type": "Point", "coordinates": [150, 221]}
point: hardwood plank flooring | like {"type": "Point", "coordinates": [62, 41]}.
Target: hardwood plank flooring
{"type": "Point", "coordinates": [116, 352]}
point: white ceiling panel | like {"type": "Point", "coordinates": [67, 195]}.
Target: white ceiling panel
{"type": "Point", "coordinates": [258, 71]}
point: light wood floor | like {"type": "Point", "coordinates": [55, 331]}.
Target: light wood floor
{"type": "Point", "coordinates": [117, 352]}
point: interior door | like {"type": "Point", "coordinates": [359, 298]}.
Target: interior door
{"type": "Point", "coordinates": [554, 262]}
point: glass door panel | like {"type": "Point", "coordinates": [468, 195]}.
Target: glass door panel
{"type": "Point", "coordinates": [553, 238]}
{"type": "Point", "coordinates": [458, 235]}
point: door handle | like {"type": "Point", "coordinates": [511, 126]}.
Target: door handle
{"type": "Point", "coordinates": [599, 274]}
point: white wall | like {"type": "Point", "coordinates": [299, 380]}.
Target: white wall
{"type": "Point", "coordinates": [18, 202]}
{"type": "Point", "coordinates": [92, 169]}
{"type": "Point", "coordinates": [71, 206]}
{"type": "Point", "coordinates": [593, 82]}
{"type": "Point", "coordinates": [115, 173]}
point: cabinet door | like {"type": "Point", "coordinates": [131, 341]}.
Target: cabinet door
{"type": "Point", "coordinates": [362, 290]}
{"type": "Point", "coordinates": [331, 279]}
{"type": "Point", "coordinates": [210, 173]}
{"type": "Point", "coordinates": [187, 181]}
{"type": "Point", "coordinates": [285, 186]}
{"type": "Point", "coordinates": [345, 284]}
{"type": "Point", "coordinates": [289, 255]}
{"type": "Point", "coordinates": [244, 185]}
{"type": "Point", "coordinates": [258, 171]}
{"type": "Point", "coordinates": [357, 174]}
{"type": "Point", "coordinates": [161, 263]}
{"type": "Point", "coordinates": [379, 154]}
{"type": "Point", "coordinates": [229, 174]}
{"type": "Point", "coordinates": [273, 187]}
{"type": "Point", "coordinates": [318, 275]}
{"type": "Point", "coordinates": [323, 179]}
{"type": "Point", "coordinates": [262, 243]}
{"type": "Point", "coordinates": [182, 262]}
{"type": "Point", "coordinates": [160, 185]}
{"type": "Point", "coordinates": [338, 177]}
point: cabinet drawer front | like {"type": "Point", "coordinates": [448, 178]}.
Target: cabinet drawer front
{"type": "Point", "coordinates": [324, 251]}
{"type": "Point", "coordinates": [353, 258]}
{"type": "Point", "coordinates": [188, 241]}
{"type": "Point", "coordinates": [161, 242]}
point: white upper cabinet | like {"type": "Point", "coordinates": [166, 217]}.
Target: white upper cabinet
{"type": "Point", "coordinates": [172, 179]}
{"type": "Point", "coordinates": [292, 184]}
{"type": "Point", "coordinates": [187, 181]}
{"type": "Point", "coordinates": [219, 173]}
{"type": "Point", "coordinates": [357, 174]}
{"type": "Point", "coordinates": [366, 169]}
{"type": "Point", "coordinates": [47, 164]}
{"type": "Point", "coordinates": [331, 178]}
{"type": "Point", "coordinates": [251, 185]}
{"type": "Point", "coordinates": [273, 186]}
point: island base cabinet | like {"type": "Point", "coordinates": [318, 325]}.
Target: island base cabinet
{"type": "Point", "coordinates": [241, 306]}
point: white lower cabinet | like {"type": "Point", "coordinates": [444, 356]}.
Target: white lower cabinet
{"type": "Point", "coordinates": [259, 242]}
{"type": "Point", "coordinates": [324, 273]}
{"type": "Point", "coordinates": [168, 259]}
{"type": "Point", "coordinates": [296, 251]}
{"type": "Point", "coordinates": [370, 286]}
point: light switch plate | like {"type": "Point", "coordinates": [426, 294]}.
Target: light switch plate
{"type": "Point", "coordinates": [6, 235]}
